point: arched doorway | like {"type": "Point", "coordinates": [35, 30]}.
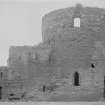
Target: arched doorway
{"type": "Point", "coordinates": [76, 79]}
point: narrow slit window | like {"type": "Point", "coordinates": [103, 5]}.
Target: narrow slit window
{"type": "Point", "coordinates": [76, 79]}
{"type": "Point", "coordinates": [77, 22]}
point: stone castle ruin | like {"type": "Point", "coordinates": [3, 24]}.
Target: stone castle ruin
{"type": "Point", "coordinates": [70, 62]}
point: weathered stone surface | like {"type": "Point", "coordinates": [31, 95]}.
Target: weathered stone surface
{"type": "Point", "coordinates": [50, 67]}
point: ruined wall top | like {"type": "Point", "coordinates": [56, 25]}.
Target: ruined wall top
{"type": "Point", "coordinates": [22, 53]}
{"type": "Point", "coordinates": [56, 22]}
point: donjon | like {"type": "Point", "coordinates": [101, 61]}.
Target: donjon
{"type": "Point", "coordinates": [69, 64]}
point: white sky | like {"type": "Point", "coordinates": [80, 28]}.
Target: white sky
{"type": "Point", "coordinates": [20, 21]}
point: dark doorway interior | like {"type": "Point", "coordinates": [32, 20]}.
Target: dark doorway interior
{"type": "Point", "coordinates": [104, 87]}
{"type": "Point", "coordinates": [0, 92]}
{"type": "Point", "coordinates": [76, 79]}
{"type": "Point", "coordinates": [44, 88]}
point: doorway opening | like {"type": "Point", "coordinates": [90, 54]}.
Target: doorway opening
{"type": "Point", "coordinates": [0, 92]}
{"type": "Point", "coordinates": [76, 79]}
{"type": "Point", "coordinates": [104, 87]}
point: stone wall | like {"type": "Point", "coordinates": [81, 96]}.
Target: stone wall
{"type": "Point", "coordinates": [65, 50]}
{"type": "Point", "coordinates": [59, 23]}
{"type": "Point", "coordinates": [29, 62]}
{"type": "Point", "coordinates": [75, 46]}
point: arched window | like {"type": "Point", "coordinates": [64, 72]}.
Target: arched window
{"type": "Point", "coordinates": [76, 79]}
{"type": "Point", "coordinates": [77, 22]}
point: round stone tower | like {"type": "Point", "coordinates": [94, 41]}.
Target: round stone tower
{"type": "Point", "coordinates": [79, 35]}
{"type": "Point", "coordinates": [61, 22]}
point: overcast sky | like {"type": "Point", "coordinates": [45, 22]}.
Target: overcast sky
{"type": "Point", "coordinates": [20, 21]}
